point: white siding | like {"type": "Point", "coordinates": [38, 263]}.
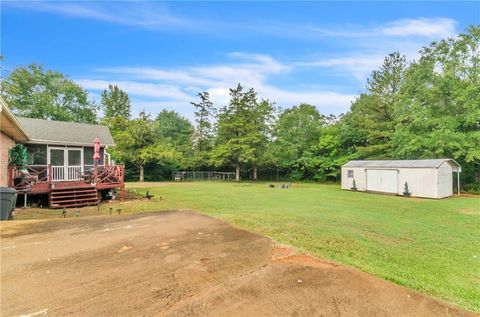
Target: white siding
{"type": "Point", "coordinates": [382, 180]}
{"type": "Point", "coordinates": [359, 176]}
{"type": "Point", "coordinates": [445, 182]}
{"type": "Point", "coordinates": [428, 181]}
{"type": "Point", "coordinates": [422, 182]}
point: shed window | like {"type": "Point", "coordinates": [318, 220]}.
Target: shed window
{"type": "Point", "coordinates": [350, 173]}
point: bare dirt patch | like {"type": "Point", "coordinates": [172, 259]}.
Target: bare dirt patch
{"type": "Point", "coordinates": [182, 264]}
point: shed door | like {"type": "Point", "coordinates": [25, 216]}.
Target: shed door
{"type": "Point", "coordinates": [382, 181]}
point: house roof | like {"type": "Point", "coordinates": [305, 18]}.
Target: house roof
{"type": "Point", "coordinates": [9, 123]}
{"type": "Point", "coordinates": [402, 163]}
{"type": "Point", "coordinates": [65, 133]}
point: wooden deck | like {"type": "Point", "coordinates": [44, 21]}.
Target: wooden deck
{"type": "Point", "coordinates": [82, 191]}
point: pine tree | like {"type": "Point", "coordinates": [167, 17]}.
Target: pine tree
{"type": "Point", "coordinates": [406, 191]}
{"type": "Point", "coordinates": [115, 103]}
{"type": "Point", "coordinates": [354, 185]}
{"type": "Point", "coordinates": [204, 130]}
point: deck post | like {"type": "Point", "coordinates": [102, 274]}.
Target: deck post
{"type": "Point", "coordinates": [49, 177]}
{"type": "Point", "coordinates": [25, 196]}
{"type": "Point", "coordinates": [95, 172]}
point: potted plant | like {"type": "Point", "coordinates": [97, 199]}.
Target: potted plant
{"type": "Point", "coordinates": [18, 157]}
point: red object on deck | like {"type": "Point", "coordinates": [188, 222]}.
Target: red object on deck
{"type": "Point", "coordinates": [96, 153]}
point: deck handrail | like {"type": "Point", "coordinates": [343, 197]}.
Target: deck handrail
{"type": "Point", "coordinates": [42, 173]}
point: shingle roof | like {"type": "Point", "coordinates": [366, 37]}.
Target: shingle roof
{"type": "Point", "coordinates": [65, 133]}
{"type": "Point", "coordinates": [401, 163]}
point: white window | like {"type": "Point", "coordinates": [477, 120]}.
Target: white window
{"type": "Point", "coordinates": [350, 173]}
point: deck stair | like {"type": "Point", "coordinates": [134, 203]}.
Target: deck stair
{"type": "Point", "coordinates": [73, 196]}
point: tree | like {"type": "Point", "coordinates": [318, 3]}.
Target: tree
{"type": "Point", "coordinates": [35, 93]}
{"type": "Point", "coordinates": [296, 134]}
{"type": "Point", "coordinates": [204, 130]}
{"type": "Point", "coordinates": [115, 103]}
{"type": "Point", "coordinates": [171, 125]}
{"type": "Point", "coordinates": [330, 153]}
{"type": "Point", "coordinates": [439, 113]}
{"type": "Point", "coordinates": [237, 137]}
{"type": "Point", "coordinates": [262, 128]}
{"type": "Point", "coordinates": [370, 124]}
{"type": "Point", "coordinates": [138, 145]}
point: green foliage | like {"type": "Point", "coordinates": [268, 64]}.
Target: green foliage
{"type": "Point", "coordinates": [35, 93]}
{"type": "Point", "coordinates": [438, 114]}
{"type": "Point", "coordinates": [296, 135]}
{"type": "Point", "coordinates": [18, 156]}
{"type": "Point", "coordinates": [169, 125]}
{"type": "Point", "coordinates": [472, 188]}
{"type": "Point", "coordinates": [115, 103]}
{"type": "Point", "coordinates": [205, 129]}
{"type": "Point", "coordinates": [139, 145]}
{"type": "Point", "coordinates": [243, 127]}
{"type": "Point", "coordinates": [406, 190]}
{"type": "Point", "coordinates": [370, 124]}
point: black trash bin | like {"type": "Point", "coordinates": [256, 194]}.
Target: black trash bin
{"type": "Point", "coordinates": [8, 200]}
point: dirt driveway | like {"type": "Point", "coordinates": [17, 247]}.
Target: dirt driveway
{"type": "Point", "coordinates": [181, 264]}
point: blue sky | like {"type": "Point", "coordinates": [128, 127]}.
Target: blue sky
{"type": "Point", "coordinates": [164, 53]}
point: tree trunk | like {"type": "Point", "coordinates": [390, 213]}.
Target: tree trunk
{"type": "Point", "coordinates": [142, 172]}
{"type": "Point", "coordinates": [254, 172]}
{"type": "Point", "coordinates": [237, 172]}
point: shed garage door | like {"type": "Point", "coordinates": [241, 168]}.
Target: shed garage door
{"type": "Point", "coordinates": [382, 181]}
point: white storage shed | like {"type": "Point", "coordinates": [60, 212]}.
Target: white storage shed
{"type": "Point", "coordinates": [425, 178]}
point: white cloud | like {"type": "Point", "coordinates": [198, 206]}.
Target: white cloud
{"type": "Point", "coordinates": [366, 46]}
{"type": "Point", "coordinates": [154, 87]}
{"type": "Point", "coordinates": [437, 27]}
{"type": "Point", "coordinates": [156, 16]}
{"type": "Point", "coordinates": [359, 66]}
{"type": "Point", "coordinates": [155, 90]}
{"type": "Point", "coordinates": [414, 27]}
{"type": "Point", "coordinates": [140, 14]}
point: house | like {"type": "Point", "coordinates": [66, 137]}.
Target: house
{"type": "Point", "coordinates": [61, 171]}
{"type": "Point", "coordinates": [11, 131]}
{"type": "Point", "coordinates": [424, 178]}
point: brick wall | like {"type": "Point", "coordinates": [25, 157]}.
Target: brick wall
{"type": "Point", "coordinates": [6, 143]}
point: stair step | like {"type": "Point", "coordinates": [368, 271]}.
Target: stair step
{"type": "Point", "coordinates": [91, 192]}
{"type": "Point", "coordinates": [74, 196]}
{"type": "Point", "coordinates": [63, 190]}
{"type": "Point", "coordinates": [92, 199]}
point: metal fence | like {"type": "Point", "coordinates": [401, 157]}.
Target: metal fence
{"type": "Point", "coordinates": [189, 176]}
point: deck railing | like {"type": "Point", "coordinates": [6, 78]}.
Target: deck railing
{"type": "Point", "coordinates": [25, 177]}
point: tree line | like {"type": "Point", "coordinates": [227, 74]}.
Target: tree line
{"type": "Point", "coordinates": [422, 109]}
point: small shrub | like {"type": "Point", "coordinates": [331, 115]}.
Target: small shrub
{"type": "Point", "coordinates": [406, 191]}
{"type": "Point", "coordinates": [18, 156]}
{"type": "Point", "coordinates": [473, 188]}
{"type": "Point", "coordinates": [354, 186]}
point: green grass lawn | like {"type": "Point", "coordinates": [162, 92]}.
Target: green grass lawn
{"type": "Point", "coordinates": [432, 246]}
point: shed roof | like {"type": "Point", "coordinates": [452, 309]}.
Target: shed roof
{"type": "Point", "coordinates": [65, 133]}
{"type": "Point", "coordinates": [402, 163]}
